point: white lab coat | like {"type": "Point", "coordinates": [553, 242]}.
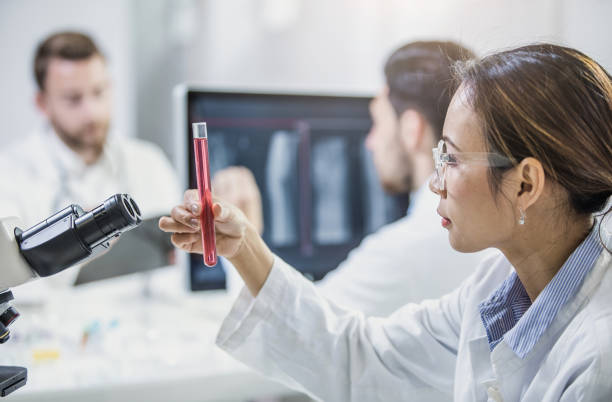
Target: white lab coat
{"type": "Point", "coordinates": [40, 175]}
{"type": "Point", "coordinates": [403, 262]}
{"type": "Point", "coordinates": [436, 350]}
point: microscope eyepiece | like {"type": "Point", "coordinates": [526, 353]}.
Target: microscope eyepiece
{"type": "Point", "coordinates": [73, 235]}
{"type": "Point", "coordinates": [117, 214]}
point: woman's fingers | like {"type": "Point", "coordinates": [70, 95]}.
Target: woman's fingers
{"type": "Point", "coordinates": [191, 242]}
{"type": "Point", "coordinates": [221, 212]}
{"type": "Point", "coordinates": [184, 224]}
{"type": "Point", "coordinates": [183, 218]}
{"type": "Point", "coordinates": [183, 221]}
{"type": "Point", "coordinates": [229, 220]}
{"type": "Point", "coordinates": [182, 215]}
{"type": "Point", "coordinates": [191, 201]}
{"type": "Point", "coordinates": [170, 225]}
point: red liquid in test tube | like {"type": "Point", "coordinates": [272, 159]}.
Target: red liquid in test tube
{"type": "Point", "coordinates": [207, 221]}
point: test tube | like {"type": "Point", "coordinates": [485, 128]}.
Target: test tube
{"type": "Point", "coordinates": [207, 222]}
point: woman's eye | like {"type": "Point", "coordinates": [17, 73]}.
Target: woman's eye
{"type": "Point", "coordinates": [452, 159]}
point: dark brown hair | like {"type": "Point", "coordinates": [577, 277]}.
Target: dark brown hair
{"type": "Point", "coordinates": [419, 77]}
{"type": "Point", "coordinates": [62, 45]}
{"type": "Point", "coordinates": [552, 103]}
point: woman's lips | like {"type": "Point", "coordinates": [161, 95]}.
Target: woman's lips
{"type": "Point", "coordinates": [445, 221]}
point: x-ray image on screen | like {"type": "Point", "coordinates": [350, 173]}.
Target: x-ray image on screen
{"type": "Point", "coordinates": [281, 181]}
{"type": "Point", "coordinates": [330, 181]}
{"type": "Point", "coordinates": [320, 193]}
{"type": "Point", "coordinates": [225, 155]}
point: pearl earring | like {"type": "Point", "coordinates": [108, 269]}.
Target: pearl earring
{"type": "Point", "coordinates": [521, 220]}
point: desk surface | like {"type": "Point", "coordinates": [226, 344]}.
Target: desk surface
{"type": "Point", "coordinates": [138, 337]}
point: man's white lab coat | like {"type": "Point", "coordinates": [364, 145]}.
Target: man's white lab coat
{"type": "Point", "coordinates": [40, 175]}
{"type": "Point", "coordinates": [436, 350]}
{"type": "Point", "coordinates": [404, 262]}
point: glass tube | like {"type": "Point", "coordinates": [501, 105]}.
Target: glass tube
{"type": "Point", "coordinates": [207, 221]}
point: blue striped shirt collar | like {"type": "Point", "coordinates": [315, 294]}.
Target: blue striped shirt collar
{"type": "Point", "coordinates": [509, 315]}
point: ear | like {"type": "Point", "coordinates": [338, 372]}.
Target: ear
{"type": "Point", "coordinates": [411, 130]}
{"type": "Point", "coordinates": [531, 179]}
{"type": "Point", "coordinates": [41, 103]}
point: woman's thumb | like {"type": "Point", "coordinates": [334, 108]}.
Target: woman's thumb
{"type": "Point", "coordinates": [220, 212]}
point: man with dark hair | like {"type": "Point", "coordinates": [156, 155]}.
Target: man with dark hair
{"type": "Point", "coordinates": [73, 159]}
{"type": "Point", "coordinates": [409, 112]}
{"type": "Point", "coordinates": [407, 260]}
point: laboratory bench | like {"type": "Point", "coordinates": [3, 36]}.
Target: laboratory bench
{"type": "Point", "coordinates": [139, 337]}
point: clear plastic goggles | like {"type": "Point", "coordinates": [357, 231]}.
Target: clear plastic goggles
{"type": "Point", "coordinates": [442, 159]}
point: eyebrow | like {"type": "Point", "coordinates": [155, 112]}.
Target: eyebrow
{"type": "Point", "coordinates": [449, 141]}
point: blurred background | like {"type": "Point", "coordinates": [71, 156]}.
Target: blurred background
{"type": "Point", "coordinates": [146, 337]}
{"type": "Point", "coordinates": [324, 45]}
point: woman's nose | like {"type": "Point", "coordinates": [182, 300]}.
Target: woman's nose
{"type": "Point", "coordinates": [434, 186]}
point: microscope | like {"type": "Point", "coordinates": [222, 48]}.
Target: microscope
{"type": "Point", "coordinates": [68, 237]}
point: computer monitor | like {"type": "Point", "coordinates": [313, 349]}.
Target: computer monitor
{"type": "Point", "coordinates": [320, 191]}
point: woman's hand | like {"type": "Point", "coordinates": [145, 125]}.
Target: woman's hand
{"type": "Point", "coordinates": [236, 238]}
{"type": "Point", "coordinates": [184, 224]}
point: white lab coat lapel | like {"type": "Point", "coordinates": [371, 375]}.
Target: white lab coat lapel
{"type": "Point", "coordinates": [482, 373]}
{"type": "Point", "coordinates": [511, 371]}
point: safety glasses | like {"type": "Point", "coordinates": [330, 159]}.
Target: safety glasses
{"type": "Point", "coordinates": [443, 159]}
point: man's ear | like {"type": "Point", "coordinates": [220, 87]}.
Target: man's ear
{"type": "Point", "coordinates": [531, 180]}
{"type": "Point", "coordinates": [412, 127]}
{"type": "Point", "coordinates": [41, 103]}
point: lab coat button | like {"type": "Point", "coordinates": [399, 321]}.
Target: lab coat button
{"type": "Point", "coordinates": [494, 394]}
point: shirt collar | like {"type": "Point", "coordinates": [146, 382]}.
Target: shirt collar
{"type": "Point", "coordinates": [509, 315]}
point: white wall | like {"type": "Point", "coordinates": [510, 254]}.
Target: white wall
{"type": "Point", "coordinates": [586, 25]}
{"type": "Point", "coordinates": [24, 23]}
{"type": "Point", "coordinates": [344, 43]}
{"type": "Point", "coordinates": [337, 45]}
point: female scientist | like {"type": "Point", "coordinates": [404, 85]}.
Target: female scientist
{"type": "Point", "coordinates": [524, 166]}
